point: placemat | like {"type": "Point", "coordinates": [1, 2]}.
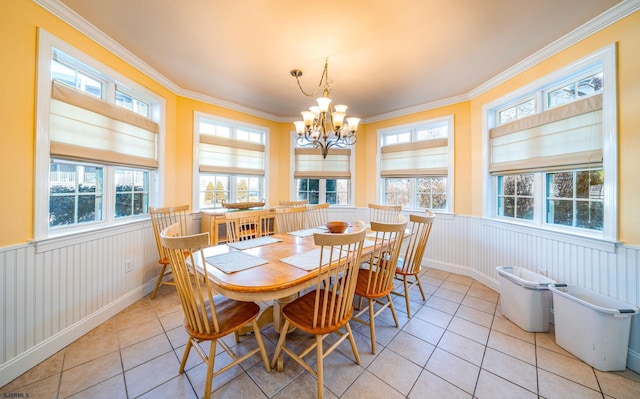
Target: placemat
{"type": "Point", "coordinates": [254, 242]}
{"type": "Point", "coordinates": [308, 232]}
{"type": "Point", "coordinates": [307, 260]}
{"type": "Point", "coordinates": [235, 261]}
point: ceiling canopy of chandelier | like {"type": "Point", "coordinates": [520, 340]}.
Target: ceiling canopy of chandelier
{"type": "Point", "coordinates": [323, 125]}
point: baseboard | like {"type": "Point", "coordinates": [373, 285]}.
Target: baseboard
{"type": "Point", "coordinates": [32, 357]}
{"type": "Point", "coordinates": [465, 271]}
{"type": "Point", "coordinates": [633, 360]}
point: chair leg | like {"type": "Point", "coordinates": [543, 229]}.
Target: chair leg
{"type": "Point", "coordinates": [210, 364]}
{"type": "Point", "coordinates": [393, 310]}
{"type": "Point", "coordinates": [352, 341]}
{"type": "Point", "coordinates": [319, 365]}
{"type": "Point", "coordinates": [372, 326]}
{"type": "Point", "coordinates": [283, 336]}
{"type": "Point", "coordinates": [159, 280]}
{"type": "Point", "coordinates": [263, 351]}
{"type": "Point", "coordinates": [185, 355]}
{"type": "Point", "coordinates": [406, 295]}
{"type": "Point", "coordinates": [424, 298]}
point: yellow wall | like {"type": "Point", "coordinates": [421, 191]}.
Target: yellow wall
{"type": "Point", "coordinates": [19, 20]}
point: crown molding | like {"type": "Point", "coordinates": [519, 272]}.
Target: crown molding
{"type": "Point", "coordinates": [418, 108]}
{"type": "Point", "coordinates": [72, 18]}
{"type": "Point", "coordinates": [598, 23]}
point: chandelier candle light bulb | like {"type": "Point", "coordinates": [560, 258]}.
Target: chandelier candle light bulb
{"type": "Point", "coordinates": [323, 125]}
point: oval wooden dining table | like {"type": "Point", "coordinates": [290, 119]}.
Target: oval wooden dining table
{"type": "Point", "coordinates": [274, 280]}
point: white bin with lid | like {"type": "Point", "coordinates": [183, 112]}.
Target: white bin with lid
{"type": "Point", "coordinates": [525, 297]}
{"type": "Point", "coordinates": [592, 326]}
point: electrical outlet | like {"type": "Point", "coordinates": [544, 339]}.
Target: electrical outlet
{"type": "Point", "coordinates": [127, 266]}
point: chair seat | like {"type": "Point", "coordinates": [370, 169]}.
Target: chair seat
{"type": "Point", "coordinates": [399, 269]}
{"type": "Point", "coordinates": [362, 286]}
{"type": "Point", "coordinates": [231, 315]}
{"type": "Point", "coordinates": [301, 311]}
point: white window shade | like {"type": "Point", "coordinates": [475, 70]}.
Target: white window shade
{"type": "Point", "coordinates": [229, 156]}
{"type": "Point", "coordinates": [88, 129]}
{"type": "Point", "coordinates": [310, 164]}
{"type": "Point", "coordinates": [566, 136]}
{"type": "Point", "coordinates": [420, 158]}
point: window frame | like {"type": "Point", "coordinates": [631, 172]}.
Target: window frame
{"type": "Point", "coordinates": [234, 126]}
{"type": "Point", "coordinates": [604, 59]}
{"type": "Point", "coordinates": [413, 128]}
{"type": "Point", "coordinates": [109, 77]}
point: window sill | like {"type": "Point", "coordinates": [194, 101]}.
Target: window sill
{"type": "Point", "coordinates": [77, 236]}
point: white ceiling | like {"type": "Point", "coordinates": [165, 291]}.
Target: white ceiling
{"type": "Point", "coordinates": [384, 55]}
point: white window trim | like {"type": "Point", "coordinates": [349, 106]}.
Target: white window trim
{"type": "Point", "coordinates": [451, 157]}
{"type": "Point", "coordinates": [293, 193]}
{"type": "Point", "coordinates": [195, 202]}
{"type": "Point", "coordinates": [606, 56]}
{"type": "Point", "coordinates": [46, 43]}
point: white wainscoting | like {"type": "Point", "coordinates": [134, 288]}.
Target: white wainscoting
{"type": "Point", "coordinates": [56, 291]}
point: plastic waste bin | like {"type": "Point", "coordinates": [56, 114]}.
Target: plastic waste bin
{"type": "Point", "coordinates": [592, 326]}
{"type": "Point", "coordinates": [525, 297]}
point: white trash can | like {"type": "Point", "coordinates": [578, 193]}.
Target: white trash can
{"type": "Point", "coordinates": [592, 326]}
{"type": "Point", "coordinates": [525, 297]}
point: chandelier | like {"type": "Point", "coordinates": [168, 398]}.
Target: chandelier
{"type": "Point", "coordinates": [323, 125]}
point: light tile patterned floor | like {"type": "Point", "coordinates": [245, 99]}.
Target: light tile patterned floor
{"type": "Point", "coordinates": [456, 345]}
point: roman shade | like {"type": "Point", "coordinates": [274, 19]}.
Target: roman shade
{"type": "Point", "coordinates": [418, 158]}
{"type": "Point", "coordinates": [569, 136]}
{"type": "Point", "coordinates": [310, 164]}
{"type": "Point", "coordinates": [229, 156]}
{"type": "Point", "coordinates": [85, 128]}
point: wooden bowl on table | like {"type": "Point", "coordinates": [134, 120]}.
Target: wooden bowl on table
{"type": "Point", "coordinates": [337, 227]}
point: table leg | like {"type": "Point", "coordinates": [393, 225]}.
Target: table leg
{"type": "Point", "coordinates": [278, 318]}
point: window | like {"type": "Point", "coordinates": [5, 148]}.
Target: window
{"type": "Point", "coordinates": [322, 180]}
{"type": "Point", "coordinates": [416, 166]}
{"type": "Point", "coordinates": [95, 161]}
{"type": "Point", "coordinates": [231, 161]}
{"type": "Point", "coordinates": [331, 191]}
{"type": "Point", "coordinates": [548, 168]}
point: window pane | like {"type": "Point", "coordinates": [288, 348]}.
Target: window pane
{"type": "Point", "coordinates": [560, 212]}
{"type": "Point", "coordinates": [124, 100]}
{"type": "Point", "coordinates": [524, 208]}
{"type": "Point", "coordinates": [507, 115]}
{"type": "Point", "coordinates": [432, 132]}
{"type": "Point", "coordinates": [524, 185]}
{"type": "Point", "coordinates": [132, 192]}
{"type": "Point", "coordinates": [560, 185]}
{"type": "Point", "coordinates": [561, 96]}
{"type": "Point", "coordinates": [590, 85]}
{"type": "Point", "coordinates": [515, 196]}
{"type": "Point", "coordinates": [432, 192]}
{"type": "Point", "coordinates": [75, 194]}
{"type": "Point", "coordinates": [508, 185]}
{"type": "Point", "coordinates": [213, 189]}
{"type": "Point", "coordinates": [526, 108]}
{"type": "Point", "coordinates": [397, 192]}
{"type": "Point", "coordinates": [337, 191]}
{"type": "Point", "coordinates": [589, 214]}
{"type": "Point", "coordinates": [89, 85]}
{"type": "Point", "coordinates": [63, 73]}
{"type": "Point", "coordinates": [309, 189]}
